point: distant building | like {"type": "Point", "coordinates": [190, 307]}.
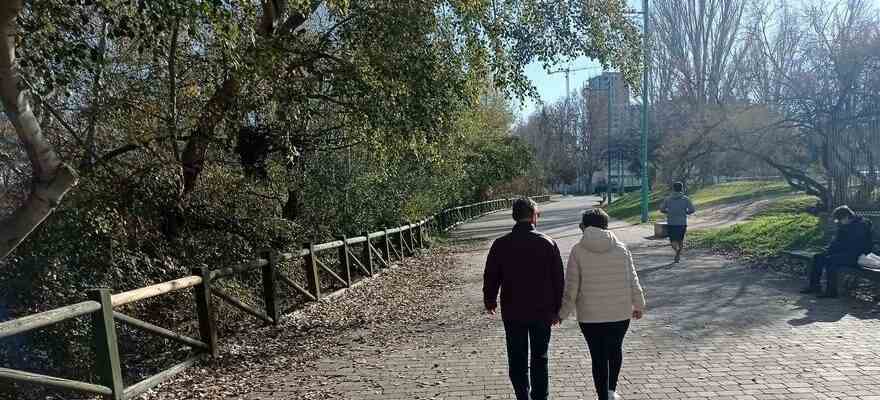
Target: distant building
{"type": "Point", "coordinates": [623, 115]}
{"type": "Point", "coordinates": [597, 93]}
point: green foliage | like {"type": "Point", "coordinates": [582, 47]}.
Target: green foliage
{"type": "Point", "coordinates": [628, 206]}
{"type": "Point", "coordinates": [764, 236]}
{"type": "Point", "coordinates": [735, 191]}
{"type": "Point", "coordinates": [784, 224]}
{"type": "Point", "coordinates": [367, 114]}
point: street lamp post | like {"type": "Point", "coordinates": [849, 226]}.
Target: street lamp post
{"type": "Point", "coordinates": [644, 141]}
{"type": "Point", "coordinates": [644, 123]}
{"type": "Point", "coordinates": [610, 102]}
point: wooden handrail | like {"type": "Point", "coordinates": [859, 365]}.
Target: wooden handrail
{"type": "Point", "coordinates": [201, 282]}
{"type": "Point", "coordinates": [46, 318]}
{"type": "Point", "coordinates": [131, 296]}
{"type": "Point", "coordinates": [291, 256]}
{"type": "Point", "coordinates": [356, 240]}
{"type": "Point", "coordinates": [329, 245]}
{"type": "Point", "coordinates": [51, 381]}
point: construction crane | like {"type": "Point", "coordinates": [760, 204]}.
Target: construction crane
{"type": "Point", "coordinates": [567, 72]}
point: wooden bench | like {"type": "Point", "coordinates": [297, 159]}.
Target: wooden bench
{"type": "Point", "coordinates": [855, 270]}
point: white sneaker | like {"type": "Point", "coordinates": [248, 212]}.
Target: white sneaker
{"type": "Point", "coordinates": [612, 395]}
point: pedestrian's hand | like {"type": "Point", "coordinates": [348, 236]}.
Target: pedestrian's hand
{"type": "Point", "coordinates": [638, 314]}
{"type": "Point", "coordinates": [490, 310]}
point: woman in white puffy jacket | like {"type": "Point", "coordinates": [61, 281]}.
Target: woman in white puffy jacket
{"type": "Point", "coordinates": [601, 285]}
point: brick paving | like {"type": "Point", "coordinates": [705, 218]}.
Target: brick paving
{"type": "Point", "coordinates": [715, 329]}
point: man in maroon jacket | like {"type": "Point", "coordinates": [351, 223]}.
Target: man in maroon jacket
{"type": "Point", "coordinates": [526, 265]}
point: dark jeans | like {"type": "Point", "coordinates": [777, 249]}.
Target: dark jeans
{"type": "Point", "coordinates": [824, 262]}
{"type": "Point", "coordinates": [605, 341]}
{"type": "Point", "coordinates": [520, 337]}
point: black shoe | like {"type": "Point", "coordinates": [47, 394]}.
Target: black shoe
{"type": "Point", "coordinates": [809, 290]}
{"type": "Point", "coordinates": [827, 295]}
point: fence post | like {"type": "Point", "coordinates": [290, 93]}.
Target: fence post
{"type": "Point", "coordinates": [311, 269]}
{"type": "Point", "coordinates": [401, 242]}
{"type": "Point", "coordinates": [368, 254]}
{"type": "Point", "coordinates": [344, 261]}
{"type": "Point", "coordinates": [107, 363]}
{"type": "Point", "coordinates": [205, 310]}
{"type": "Point", "coordinates": [426, 232]}
{"type": "Point", "coordinates": [387, 244]}
{"type": "Point", "coordinates": [412, 238]}
{"type": "Point", "coordinates": [270, 285]}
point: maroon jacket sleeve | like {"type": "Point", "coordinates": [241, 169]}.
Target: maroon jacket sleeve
{"type": "Point", "coordinates": [557, 275]}
{"type": "Point", "coordinates": [492, 277]}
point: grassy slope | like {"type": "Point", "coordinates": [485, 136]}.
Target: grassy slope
{"type": "Point", "coordinates": [628, 206]}
{"type": "Point", "coordinates": [783, 226]}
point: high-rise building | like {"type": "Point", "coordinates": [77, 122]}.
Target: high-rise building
{"type": "Point", "coordinates": [622, 116]}
{"type": "Point", "coordinates": [597, 94]}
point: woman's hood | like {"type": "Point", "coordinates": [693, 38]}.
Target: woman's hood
{"type": "Point", "coordinates": [598, 240]}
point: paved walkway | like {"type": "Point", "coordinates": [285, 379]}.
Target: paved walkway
{"type": "Point", "coordinates": [714, 330]}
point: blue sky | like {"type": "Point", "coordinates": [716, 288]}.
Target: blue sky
{"type": "Point", "coordinates": [551, 87]}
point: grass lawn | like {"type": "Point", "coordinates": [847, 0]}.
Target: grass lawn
{"type": "Point", "coordinates": [782, 226]}
{"type": "Point", "coordinates": [628, 207]}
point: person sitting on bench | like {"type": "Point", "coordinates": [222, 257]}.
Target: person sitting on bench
{"type": "Point", "coordinates": [853, 238]}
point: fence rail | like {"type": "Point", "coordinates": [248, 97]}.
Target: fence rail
{"type": "Point", "coordinates": [377, 250]}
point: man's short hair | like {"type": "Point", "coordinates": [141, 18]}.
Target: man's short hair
{"type": "Point", "coordinates": [595, 217]}
{"type": "Point", "coordinates": [842, 212]}
{"type": "Point", "coordinates": [523, 209]}
{"type": "Point", "coordinates": [678, 187]}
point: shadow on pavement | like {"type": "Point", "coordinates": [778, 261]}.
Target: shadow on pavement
{"type": "Point", "coordinates": [832, 310]}
{"type": "Point", "coordinates": [703, 296]}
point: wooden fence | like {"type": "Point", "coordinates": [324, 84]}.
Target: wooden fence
{"type": "Point", "coordinates": [367, 254]}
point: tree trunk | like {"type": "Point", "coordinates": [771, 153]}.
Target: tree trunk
{"type": "Point", "coordinates": [196, 150]}
{"type": "Point", "coordinates": [221, 101]}
{"type": "Point", "coordinates": [51, 178]}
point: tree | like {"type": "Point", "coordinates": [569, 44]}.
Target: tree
{"type": "Point", "coordinates": [52, 178]}
{"type": "Point", "coordinates": [161, 91]}
{"type": "Point", "coordinates": [698, 56]}
{"type": "Point", "coordinates": [816, 72]}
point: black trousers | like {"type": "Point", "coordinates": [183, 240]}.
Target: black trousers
{"type": "Point", "coordinates": [823, 262]}
{"type": "Point", "coordinates": [605, 340]}
{"type": "Point", "coordinates": [521, 337]}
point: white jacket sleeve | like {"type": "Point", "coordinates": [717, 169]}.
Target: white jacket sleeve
{"type": "Point", "coordinates": [572, 286]}
{"type": "Point", "coordinates": [636, 292]}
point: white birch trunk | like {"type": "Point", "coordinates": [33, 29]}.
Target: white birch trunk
{"type": "Point", "coordinates": [51, 178]}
